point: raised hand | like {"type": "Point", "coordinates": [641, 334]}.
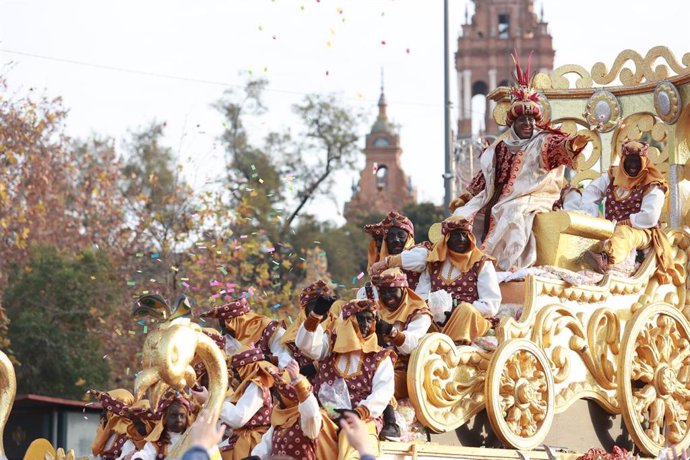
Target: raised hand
{"type": "Point", "coordinates": [378, 267]}
{"type": "Point", "coordinates": [384, 327]}
{"type": "Point", "coordinates": [323, 305]}
{"type": "Point", "coordinates": [580, 141]}
{"type": "Point", "coordinates": [204, 432]}
{"type": "Point", "coordinates": [292, 369]}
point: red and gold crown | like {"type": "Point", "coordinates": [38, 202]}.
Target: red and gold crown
{"type": "Point", "coordinates": [456, 223]}
{"type": "Point", "coordinates": [169, 398]}
{"type": "Point", "coordinates": [524, 100]}
{"type": "Point", "coordinates": [374, 229]}
{"type": "Point", "coordinates": [631, 147]}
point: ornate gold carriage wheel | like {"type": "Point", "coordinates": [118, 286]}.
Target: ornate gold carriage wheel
{"type": "Point", "coordinates": [654, 378]}
{"type": "Point", "coordinates": [520, 394]}
{"type": "Point", "coordinates": [446, 382]}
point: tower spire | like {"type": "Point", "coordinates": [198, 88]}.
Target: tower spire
{"type": "Point", "coordinates": [541, 19]}
{"type": "Point", "coordinates": [382, 101]}
{"type": "Point", "coordinates": [381, 80]}
{"type": "Point", "coordinates": [467, 15]}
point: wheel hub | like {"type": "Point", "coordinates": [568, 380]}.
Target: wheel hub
{"type": "Point", "coordinates": [524, 392]}
{"type": "Point", "coordinates": [665, 380]}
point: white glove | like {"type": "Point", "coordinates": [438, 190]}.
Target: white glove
{"type": "Point", "coordinates": [439, 303]}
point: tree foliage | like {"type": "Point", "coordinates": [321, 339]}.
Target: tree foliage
{"type": "Point", "coordinates": [327, 143]}
{"type": "Point", "coordinates": [51, 192]}
{"type": "Point", "coordinates": [55, 304]}
{"type": "Point", "coordinates": [423, 216]}
{"type": "Point", "coordinates": [86, 228]}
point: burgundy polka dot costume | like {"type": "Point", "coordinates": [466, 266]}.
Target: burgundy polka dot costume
{"type": "Point", "coordinates": [161, 450]}
{"type": "Point", "coordinates": [265, 341]}
{"type": "Point", "coordinates": [261, 418]}
{"type": "Point", "coordinates": [359, 384]}
{"type": "Point", "coordinates": [301, 359]}
{"type": "Point", "coordinates": [463, 288]}
{"type": "Point", "coordinates": [291, 440]}
{"type": "Point", "coordinates": [623, 208]}
{"type": "Point", "coordinates": [116, 449]}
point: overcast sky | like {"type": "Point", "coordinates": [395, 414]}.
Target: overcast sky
{"type": "Point", "coordinates": [120, 64]}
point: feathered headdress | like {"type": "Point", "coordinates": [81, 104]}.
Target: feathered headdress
{"type": "Point", "coordinates": [524, 100]}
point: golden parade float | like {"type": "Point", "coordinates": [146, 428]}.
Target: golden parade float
{"type": "Point", "coordinates": [621, 341]}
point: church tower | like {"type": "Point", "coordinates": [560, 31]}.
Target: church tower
{"type": "Point", "coordinates": [483, 59]}
{"type": "Point", "coordinates": [383, 185]}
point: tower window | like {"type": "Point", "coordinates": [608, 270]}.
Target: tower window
{"type": "Point", "coordinates": [381, 142]}
{"type": "Point", "coordinates": [503, 26]}
{"type": "Point", "coordinates": [381, 176]}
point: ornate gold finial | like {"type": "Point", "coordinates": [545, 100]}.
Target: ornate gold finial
{"type": "Point", "coordinates": [157, 307]}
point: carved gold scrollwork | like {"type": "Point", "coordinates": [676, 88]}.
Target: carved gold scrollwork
{"type": "Point", "coordinates": [642, 67]}
{"type": "Point", "coordinates": [585, 164]}
{"type": "Point", "coordinates": [445, 382]}
{"type": "Point", "coordinates": [654, 380]}
{"type": "Point", "coordinates": [643, 70]}
{"type": "Point", "coordinates": [675, 295]}
{"type": "Point", "coordinates": [520, 394]}
{"type": "Point", "coordinates": [594, 345]}
{"type": "Point", "coordinates": [603, 337]}
{"type": "Point", "coordinates": [559, 81]}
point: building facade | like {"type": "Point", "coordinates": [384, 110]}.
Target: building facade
{"type": "Point", "coordinates": [483, 59]}
{"type": "Point", "coordinates": [483, 63]}
{"type": "Point", "coordinates": [383, 185]}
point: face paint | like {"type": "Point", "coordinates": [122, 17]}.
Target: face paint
{"type": "Point", "coordinates": [458, 241]}
{"type": "Point", "coordinates": [391, 297]}
{"type": "Point", "coordinates": [365, 321]}
{"type": "Point", "coordinates": [524, 126]}
{"type": "Point", "coordinates": [176, 418]}
{"type": "Point", "coordinates": [395, 240]}
{"type": "Point", "coordinates": [632, 165]}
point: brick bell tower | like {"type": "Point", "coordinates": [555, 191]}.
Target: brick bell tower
{"type": "Point", "coordinates": [383, 185]}
{"type": "Point", "coordinates": [483, 59]}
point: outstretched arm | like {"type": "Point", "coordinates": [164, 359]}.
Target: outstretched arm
{"type": "Point", "coordinates": [477, 185]}
{"type": "Point", "coordinates": [559, 149]}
